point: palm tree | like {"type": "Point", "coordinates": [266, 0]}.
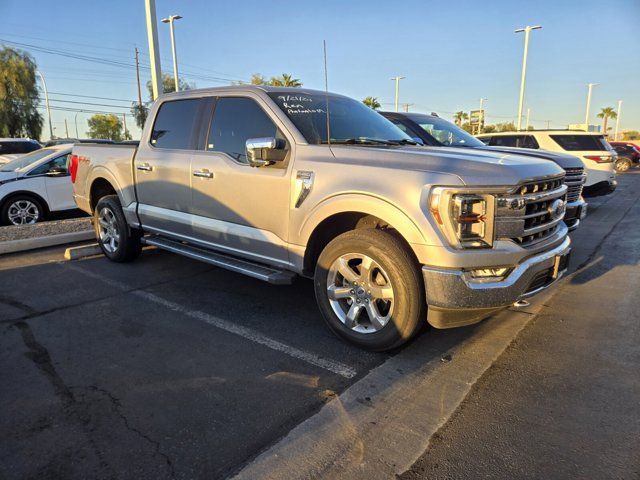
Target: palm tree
{"type": "Point", "coordinates": [285, 80]}
{"type": "Point", "coordinates": [372, 102]}
{"type": "Point", "coordinates": [605, 114]}
{"type": "Point", "coordinates": [460, 117]}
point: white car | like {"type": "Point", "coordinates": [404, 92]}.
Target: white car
{"type": "Point", "coordinates": [591, 147]}
{"type": "Point", "coordinates": [12, 148]}
{"type": "Point", "coordinates": [35, 185]}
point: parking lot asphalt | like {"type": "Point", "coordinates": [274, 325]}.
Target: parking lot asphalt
{"type": "Point", "coordinates": [163, 368]}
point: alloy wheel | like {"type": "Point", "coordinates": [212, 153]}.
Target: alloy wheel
{"type": "Point", "coordinates": [23, 212]}
{"type": "Point", "coordinates": [360, 293]}
{"type": "Point", "coordinates": [108, 230]}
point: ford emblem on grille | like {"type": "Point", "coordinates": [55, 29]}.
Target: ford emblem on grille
{"type": "Point", "coordinates": [556, 209]}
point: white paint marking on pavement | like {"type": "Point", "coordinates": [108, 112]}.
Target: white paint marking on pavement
{"type": "Point", "coordinates": [247, 333]}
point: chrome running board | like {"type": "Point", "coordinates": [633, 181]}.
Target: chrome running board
{"type": "Point", "coordinates": [246, 267]}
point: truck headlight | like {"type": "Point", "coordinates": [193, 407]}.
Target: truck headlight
{"type": "Point", "coordinates": [465, 217]}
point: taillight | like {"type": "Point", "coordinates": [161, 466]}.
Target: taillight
{"type": "Point", "coordinates": [599, 158]}
{"type": "Point", "coordinates": [73, 167]}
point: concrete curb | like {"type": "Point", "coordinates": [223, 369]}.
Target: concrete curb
{"type": "Point", "coordinates": [25, 244]}
{"type": "Point", "coordinates": [74, 253]}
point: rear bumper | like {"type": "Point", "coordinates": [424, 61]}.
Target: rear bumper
{"type": "Point", "coordinates": [601, 188]}
{"type": "Point", "coordinates": [455, 299]}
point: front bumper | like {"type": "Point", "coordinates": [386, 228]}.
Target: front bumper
{"type": "Point", "coordinates": [575, 212]}
{"type": "Point", "coordinates": [455, 299]}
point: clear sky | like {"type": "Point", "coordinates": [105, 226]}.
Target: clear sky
{"type": "Point", "coordinates": [451, 53]}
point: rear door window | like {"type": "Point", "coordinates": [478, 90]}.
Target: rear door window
{"type": "Point", "coordinates": [518, 141]}
{"type": "Point", "coordinates": [579, 142]}
{"type": "Point", "coordinates": [505, 140]}
{"type": "Point", "coordinates": [175, 123]}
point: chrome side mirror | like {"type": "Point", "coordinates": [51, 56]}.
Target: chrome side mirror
{"type": "Point", "coordinates": [265, 151]}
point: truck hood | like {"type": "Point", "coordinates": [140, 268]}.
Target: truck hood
{"type": "Point", "coordinates": [563, 159]}
{"type": "Point", "coordinates": [472, 165]}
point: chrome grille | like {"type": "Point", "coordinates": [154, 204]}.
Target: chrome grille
{"type": "Point", "coordinates": [574, 180]}
{"type": "Point", "coordinates": [527, 216]}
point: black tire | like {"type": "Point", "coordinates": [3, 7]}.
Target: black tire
{"type": "Point", "coordinates": [623, 164]}
{"type": "Point", "coordinates": [21, 197]}
{"type": "Point", "coordinates": [395, 262]}
{"type": "Point", "coordinates": [128, 246]}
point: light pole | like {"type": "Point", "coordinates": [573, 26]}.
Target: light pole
{"type": "Point", "coordinates": [46, 100]}
{"type": "Point", "coordinates": [481, 115]}
{"type": "Point", "coordinates": [527, 31]}
{"type": "Point", "coordinates": [615, 135]}
{"type": "Point", "coordinates": [170, 21]}
{"type": "Point", "coordinates": [397, 80]}
{"type": "Point", "coordinates": [154, 55]}
{"type": "Point", "coordinates": [586, 115]}
{"type": "Point", "coordinates": [75, 121]}
{"type": "Point", "coordinates": [527, 124]}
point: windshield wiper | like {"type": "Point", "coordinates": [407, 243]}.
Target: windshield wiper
{"type": "Point", "coordinates": [361, 141]}
{"type": "Point", "coordinates": [403, 141]}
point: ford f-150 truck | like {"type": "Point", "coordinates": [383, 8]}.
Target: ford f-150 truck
{"type": "Point", "coordinates": [280, 182]}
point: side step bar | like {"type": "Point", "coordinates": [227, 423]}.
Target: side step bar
{"type": "Point", "coordinates": [251, 269]}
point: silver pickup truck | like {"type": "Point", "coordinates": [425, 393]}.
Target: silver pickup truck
{"type": "Point", "coordinates": [280, 182]}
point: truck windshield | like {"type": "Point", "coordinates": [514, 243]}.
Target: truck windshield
{"type": "Point", "coordinates": [26, 160]}
{"type": "Point", "coordinates": [351, 122]}
{"type": "Point", "coordinates": [445, 133]}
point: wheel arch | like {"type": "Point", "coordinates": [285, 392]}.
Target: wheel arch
{"type": "Point", "coordinates": [27, 193]}
{"type": "Point", "coordinates": [100, 187]}
{"type": "Point", "coordinates": [339, 215]}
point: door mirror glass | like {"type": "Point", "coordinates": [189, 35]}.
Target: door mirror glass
{"type": "Point", "coordinates": [265, 151]}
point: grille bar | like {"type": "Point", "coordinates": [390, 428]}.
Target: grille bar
{"type": "Point", "coordinates": [533, 213]}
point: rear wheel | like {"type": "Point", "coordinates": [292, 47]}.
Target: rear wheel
{"type": "Point", "coordinates": [22, 210]}
{"type": "Point", "coordinates": [623, 164]}
{"type": "Point", "coordinates": [369, 289]}
{"type": "Point", "coordinates": [117, 240]}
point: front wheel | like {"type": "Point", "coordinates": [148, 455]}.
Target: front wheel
{"type": "Point", "coordinates": [22, 210]}
{"type": "Point", "coordinates": [623, 164]}
{"type": "Point", "coordinates": [117, 240]}
{"type": "Point", "coordinates": [369, 290]}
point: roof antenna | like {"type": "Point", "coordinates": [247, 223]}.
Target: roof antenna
{"type": "Point", "coordinates": [326, 91]}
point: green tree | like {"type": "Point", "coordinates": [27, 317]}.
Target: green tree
{"type": "Point", "coordinates": [19, 95]}
{"type": "Point", "coordinates": [372, 102]}
{"type": "Point", "coordinates": [140, 113]}
{"type": "Point", "coordinates": [460, 117]}
{"type": "Point", "coordinates": [285, 80]}
{"type": "Point", "coordinates": [105, 126]}
{"type": "Point", "coordinates": [169, 85]}
{"type": "Point", "coordinates": [505, 127]}
{"type": "Point", "coordinates": [605, 114]}
{"type": "Point", "coordinates": [631, 135]}
{"type": "Point", "coordinates": [488, 129]}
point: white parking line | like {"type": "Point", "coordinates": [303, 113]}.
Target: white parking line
{"type": "Point", "coordinates": [247, 333]}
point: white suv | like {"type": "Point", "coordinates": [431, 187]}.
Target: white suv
{"type": "Point", "coordinates": [592, 148]}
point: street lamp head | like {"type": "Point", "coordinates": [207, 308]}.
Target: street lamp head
{"type": "Point", "coordinates": [537, 27]}
{"type": "Point", "coordinates": [171, 18]}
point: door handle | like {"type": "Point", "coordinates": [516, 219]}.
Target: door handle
{"type": "Point", "coordinates": [204, 173]}
{"type": "Point", "coordinates": [145, 167]}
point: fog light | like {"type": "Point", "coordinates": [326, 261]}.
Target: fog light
{"type": "Point", "coordinates": [498, 273]}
